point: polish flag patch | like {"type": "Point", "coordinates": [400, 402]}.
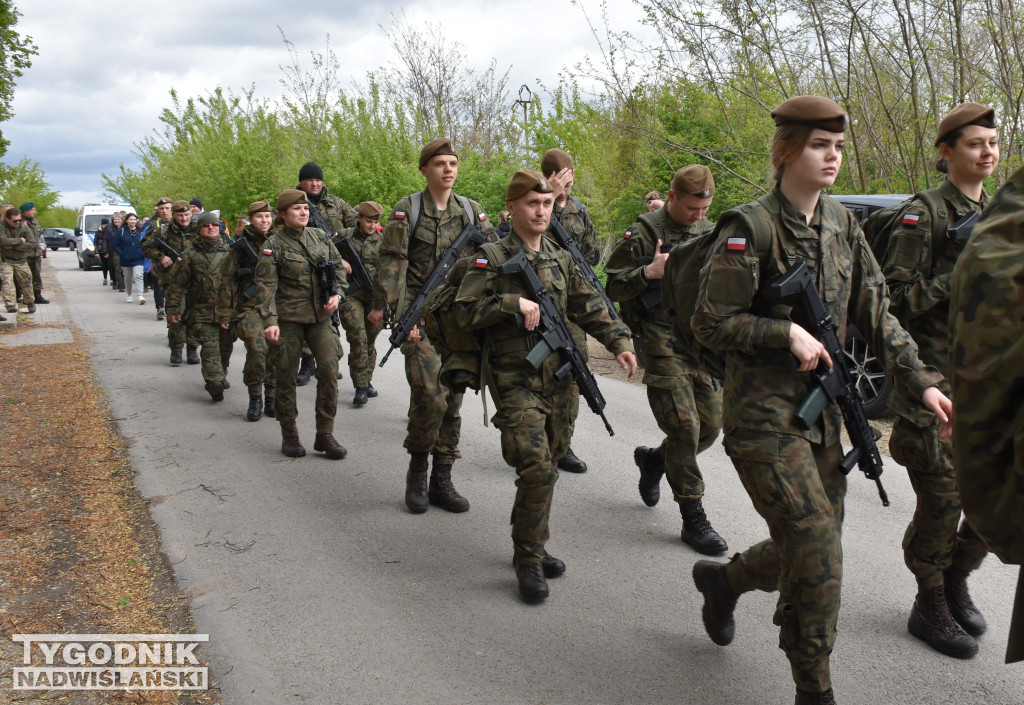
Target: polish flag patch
{"type": "Point", "coordinates": [481, 263]}
{"type": "Point", "coordinates": [736, 244]}
{"type": "Point", "coordinates": [628, 234]}
{"type": "Point", "coordinates": [483, 216]}
{"type": "Point", "coordinates": [911, 219]}
{"type": "Point", "coordinates": [268, 251]}
{"type": "Point", "coordinates": [399, 215]}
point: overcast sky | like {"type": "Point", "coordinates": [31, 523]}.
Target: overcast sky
{"type": "Point", "coordinates": [104, 67]}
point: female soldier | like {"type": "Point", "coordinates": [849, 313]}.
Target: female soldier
{"type": "Point", "coordinates": [918, 263]}
{"type": "Point", "coordinates": [791, 473]}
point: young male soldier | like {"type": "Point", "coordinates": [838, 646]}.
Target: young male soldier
{"type": "Point", "coordinates": [237, 309]}
{"type": "Point", "coordinates": [362, 311]}
{"type": "Point", "coordinates": [35, 258]}
{"type": "Point", "coordinates": [179, 234]}
{"type": "Point", "coordinates": [409, 252]}
{"type": "Point", "coordinates": [533, 413]}
{"type": "Point", "coordinates": [557, 166]}
{"type": "Point", "coordinates": [686, 402]}
{"type": "Point", "coordinates": [162, 214]}
{"type": "Point", "coordinates": [16, 242]}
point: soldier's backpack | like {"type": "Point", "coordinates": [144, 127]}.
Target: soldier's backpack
{"type": "Point", "coordinates": [879, 225]}
{"type": "Point", "coordinates": [416, 206]}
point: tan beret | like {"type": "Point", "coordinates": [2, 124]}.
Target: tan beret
{"type": "Point", "coordinates": [163, 201]}
{"type": "Point", "coordinates": [962, 116]}
{"type": "Point", "coordinates": [652, 196]}
{"type": "Point", "coordinates": [370, 209]}
{"type": "Point", "coordinates": [259, 207]}
{"type": "Point", "coordinates": [180, 206]}
{"type": "Point", "coordinates": [811, 111]}
{"type": "Point", "coordinates": [695, 180]}
{"type": "Point", "coordinates": [289, 198]}
{"type": "Point", "coordinates": [524, 181]}
{"type": "Point", "coordinates": [207, 218]}
{"type": "Point", "coordinates": [554, 161]}
{"type": "Point", "coordinates": [434, 148]}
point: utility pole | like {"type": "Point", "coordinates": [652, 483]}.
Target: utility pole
{"type": "Point", "coordinates": [525, 98]}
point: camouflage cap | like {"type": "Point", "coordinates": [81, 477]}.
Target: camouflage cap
{"type": "Point", "coordinates": [289, 198]}
{"type": "Point", "coordinates": [434, 148]}
{"type": "Point", "coordinates": [180, 206]}
{"type": "Point", "coordinates": [259, 207]}
{"type": "Point", "coordinates": [811, 111]}
{"type": "Point", "coordinates": [695, 180]}
{"type": "Point", "coordinates": [370, 209]}
{"type": "Point", "coordinates": [163, 200]}
{"type": "Point", "coordinates": [207, 218]}
{"type": "Point", "coordinates": [554, 161]}
{"type": "Point", "coordinates": [963, 115]}
{"type": "Point", "coordinates": [524, 181]}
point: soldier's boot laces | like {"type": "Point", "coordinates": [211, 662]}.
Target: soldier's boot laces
{"type": "Point", "coordinates": [805, 698]}
{"type": "Point", "coordinates": [532, 584]}
{"type": "Point", "coordinates": [961, 606]}
{"type": "Point", "coordinates": [192, 355]}
{"type": "Point", "coordinates": [698, 532]}
{"type": "Point", "coordinates": [442, 492]}
{"type": "Point", "coordinates": [326, 443]}
{"type": "Point", "coordinates": [292, 446]}
{"type": "Point", "coordinates": [255, 410]}
{"type": "Point", "coordinates": [652, 466]}
{"type": "Point", "coordinates": [931, 622]}
{"type": "Point", "coordinates": [416, 483]}
{"type": "Point", "coordinates": [306, 367]}
{"type": "Point", "coordinates": [552, 567]}
{"type": "Point", "coordinates": [719, 601]}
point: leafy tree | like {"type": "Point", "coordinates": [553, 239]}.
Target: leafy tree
{"type": "Point", "coordinates": [26, 181]}
{"type": "Point", "coordinates": [15, 53]}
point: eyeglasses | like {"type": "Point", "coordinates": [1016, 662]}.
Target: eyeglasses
{"type": "Point", "coordinates": [15, 221]}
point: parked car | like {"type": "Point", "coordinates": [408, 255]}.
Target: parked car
{"type": "Point", "coordinates": [873, 381]}
{"type": "Point", "coordinates": [57, 238]}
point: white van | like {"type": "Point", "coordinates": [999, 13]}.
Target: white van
{"type": "Point", "coordinates": [89, 218]}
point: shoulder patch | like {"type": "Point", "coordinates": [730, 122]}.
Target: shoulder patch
{"type": "Point", "coordinates": [481, 262]}
{"type": "Point", "coordinates": [267, 251]}
{"type": "Point", "coordinates": [482, 216]}
{"type": "Point", "coordinates": [629, 234]}
{"type": "Point", "coordinates": [736, 244]}
{"type": "Point", "coordinates": [399, 215]}
{"type": "Point", "coordinates": [911, 219]}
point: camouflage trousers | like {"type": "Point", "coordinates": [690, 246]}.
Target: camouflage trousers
{"type": "Point", "coordinates": [796, 487]}
{"type": "Point", "coordinates": [688, 408]}
{"type": "Point", "coordinates": [35, 265]}
{"type": "Point", "coordinates": [534, 435]}
{"type": "Point", "coordinates": [178, 334]}
{"type": "Point", "coordinates": [8, 292]}
{"type": "Point", "coordinates": [211, 338]}
{"type": "Point", "coordinates": [362, 340]}
{"type": "Point", "coordinates": [323, 341]}
{"type": "Point", "coordinates": [932, 543]}
{"type": "Point", "coordinates": [118, 275]}
{"type": "Point", "coordinates": [259, 371]}
{"type": "Point", "coordinates": [17, 276]}
{"type": "Point", "coordinates": [435, 421]}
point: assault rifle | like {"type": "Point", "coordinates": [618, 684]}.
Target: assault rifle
{"type": "Point", "coordinates": [447, 260]}
{"type": "Point", "coordinates": [963, 227]}
{"type": "Point", "coordinates": [249, 259]}
{"type": "Point", "coordinates": [317, 220]}
{"type": "Point", "coordinates": [835, 383]}
{"type": "Point", "coordinates": [361, 278]}
{"type": "Point", "coordinates": [161, 244]}
{"type": "Point", "coordinates": [569, 244]}
{"type": "Point", "coordinates": [555, 337]}
{"type": "Point", "coordinates": [328, 285]}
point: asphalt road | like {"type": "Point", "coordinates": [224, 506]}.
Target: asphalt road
{"type": "Point", "coordinates": [316, 584]}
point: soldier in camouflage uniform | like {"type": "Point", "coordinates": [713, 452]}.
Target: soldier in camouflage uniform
{"type": "Point", "coordinates": [35, 259]}
{"type": "Point", "coordinates": [918, 264]}
{"type": "Point", "coordinates": [987, 361]}
{"type": "Point", "coordinates": [237, 308]}
{"type": "Point", "coordinates": [362, 312]}
{"type": "Point", "coordinates": [295, 311]}
{"type": "Point", "coordinates": [532, 403]}
{"type": "Point", "coordinates": [179, 234]}
{"type": "Point", "coordinates": [686, 402]}
{"type": "Point", "coordinates": [792, 473]}
{"type": "Point", "coordinates": [16, 243]}
{"type": "Point", "coordinates": [557, 166]}
{"type": "Point", "coordinates": [408, 254]}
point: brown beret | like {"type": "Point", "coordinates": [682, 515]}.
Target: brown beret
{"type": "Point", "coordinates": [433, 148]}
{"type": "Point", "coordinates": [370, 209]}
{"type": "Point", "coordinates": [554, 161]}
{"type": "Point", "coordinates": [180, 206]}
{"type": "Point", "coordinates": [811, 111]}
{"type": "Point", "coordinates": [652, 196]}
{"type": "Point", "coordinates": [695, 180]}
{"type": "Point", "coordinates": [962, 116]}
{"type": "Point", "coordinates": [289, 198]}
{"type": "Point", "coordinates": [207, 218]}
{"type": "Point", "coordinates": [163, 201]}
{"type": "Point", "coordinates": [524, 181]}
{"type": "Point", "coordinates": [259, 207]}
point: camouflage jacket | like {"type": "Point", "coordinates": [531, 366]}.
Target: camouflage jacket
{"type": "Point", "coordinates": [736, 315]}
{"type": "Point", "coordinates": [11, 242]}
{"type": "Point", "coordinates": [287, 286]}
{"type": "Point", "coordinates": [198, 279]}
{"type": "Point", "coordinates": [368, 249]}
{"type": "Point", "coordinates": [987, 362]}
{"type": "Point", "coordinates": [488, 300]}
{"type": "Point", "coordinates": [36, 229]}
{"type": "Point", "coordinates": [335, 210]}
{"type": "Point", "coordinates": [575, 218]}
{"type": "Point", "coordinates": [407, 260]}
{"type": "Point", "coordinates": [626, 281]}
{"type": "Point", "coordinates": [238, 291]}
{"type": "Point", "coordinates": [174, 235]}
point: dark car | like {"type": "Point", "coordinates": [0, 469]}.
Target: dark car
{"type": "Point", "coordinates": [873, 382]}
{"type": "Point", "coordinates": [57, 238]}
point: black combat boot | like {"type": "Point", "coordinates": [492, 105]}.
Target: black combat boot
{"type": "Point", "coordinates": [292, 446]}
{"type": "Point", "coordinates": [442, 492]}
{"type": "Point", "coordinates": [306, 367]}
{"type": "Point", "coordinates": [532, 585]}
{"type": "Point", "coordinates": [360, 398]}
{"type": "Point", "coordinates": [268, 406]}
{"type": "Point", "coordinates": [224, 383]}
{"type": "Point", "coordinates": [3, 318]}
{"type": "Point", "coordinates": [961, 606]}
{"type": "Point", "coordinates": [551, 566]}
{"type": "Point", "coordinates": [192, 355]}
{"type": "Point", "coordinates": [255, 410]}
{"type": "Point", "coordinates": [651, 462]}
{"type": "Point", "coordinates": [931, 622]}
{"type": "Point", "coordinates": [416, 483]}
{"type": "Point", "coordinates": [805, 698]}
{"type": "Point", "coordinates": [370, 391]}
{"type": "Point", "coordinates": [719, 601]}
{"type": "Point", "coordinates": [326, 444]}
{"type": "Point", "coordinates": [175, 358]}
{"type": "Point", "coordinates": [40, 299]}
{"type": "Point", "coordinates": [216, 390]}
{"type": "Point", "coordinates": [31, 307]}
{"type": "Point", "coordinates": [697, 531]}
{"type": "Point", "coordinates": [570, 463]}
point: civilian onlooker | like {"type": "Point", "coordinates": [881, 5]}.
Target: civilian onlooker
{"type": "Point", "coordinates": [117, 274]}
{"type": "Point", "coordinates": [129, 249]}
{"type": "Point", "coordinates": [504, 224]}
{"type": "Point", "coordinates": [103, 241]}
